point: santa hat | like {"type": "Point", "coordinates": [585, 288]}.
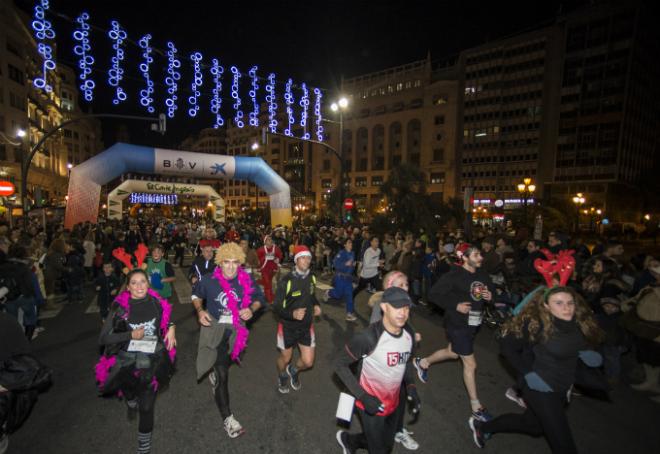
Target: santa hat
{"type": "Point", "coordinates": [463, 249]}
{"type": "Point", "coordinates": [301, 251]}
{"type": "Point", "coordinates": [213, 243]}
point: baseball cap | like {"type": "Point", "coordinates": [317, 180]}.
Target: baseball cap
{"type": "Point", "coordinates": [396, 297]}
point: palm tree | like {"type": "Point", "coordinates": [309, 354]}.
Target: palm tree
{"type": "Point", "coordinates": [405, 190]}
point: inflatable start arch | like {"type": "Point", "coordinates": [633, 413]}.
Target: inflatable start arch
{"type": "Point", "coordinates": [87, 178]}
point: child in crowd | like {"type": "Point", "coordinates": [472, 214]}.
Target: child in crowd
{"type": "Point", "coordinates": [107, 286]}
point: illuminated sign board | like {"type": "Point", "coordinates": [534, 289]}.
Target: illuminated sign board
{"type": "Point", "coordinates": [155, 199]}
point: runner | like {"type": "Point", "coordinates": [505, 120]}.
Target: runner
{"type": "Point", "coordinates": [139, 340]}
{"type": "Point", "coordinates": [269, 260]}
{"type": "Point", "coordinates": [232, 298]}
{"type": "Point", "coordinates": [543, 343]}
{"type": "Point", "coordinates": [370, 268]}
{"type": "Point", "coordinates": [342, 284]}
{"type": "Point", "coordinates": [461, 292]}
{"type": "Point", "coordinates": [296, 305]}
{"type": "Point", "coordinates": [160, 272]}
{"type": "Point", "coordinates": [203, 264]}
{"type": "Point", "coordinates": [384, 350]}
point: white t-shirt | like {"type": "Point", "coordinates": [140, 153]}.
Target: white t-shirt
{"type": "Point", "coordinates": [370, 263]}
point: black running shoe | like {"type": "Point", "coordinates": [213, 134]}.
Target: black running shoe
{"type": "Point", "coordinates": [295, 381]}
{"type": "Point", "coordinates": [342, 439]}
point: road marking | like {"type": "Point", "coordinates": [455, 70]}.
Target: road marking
{"type": "Point", "coordinates": [43, 314]}
{"type": "Point", "coordinates": [93, 307]}
{"type": "Point", "coordinates": [182, 286]}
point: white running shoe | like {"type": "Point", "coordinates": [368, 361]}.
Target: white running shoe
{"type": "Point", "coordinates": [513, 396]}
{"type": "Point", "coordinates": [404, 437]}
{"type": "Point", "coordinates": [233, 427]}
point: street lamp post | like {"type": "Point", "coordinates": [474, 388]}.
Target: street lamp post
{"type": "Point", "coordinates": [340, 106]}
{"type": "Point", "coordinates": [578, 200]}
{"type": "Point", "coordinates": [526, 189]}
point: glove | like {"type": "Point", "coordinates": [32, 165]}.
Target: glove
{"type": "Point", "coordinates": [414, 400]}
{"type": "Point", "coordinates": [372, 404]}
{"type": "Point", "coordinates": [535, 382]}
{"type": "Point", "coordinates": [591, 358]}
{"type": "Point", "coordinates": [155, 281]}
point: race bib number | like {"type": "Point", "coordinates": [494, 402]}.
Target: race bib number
{"type": "Point", "coordinates": [144, 345]}
{"type": "Point", "coordinates": [225, 319]}
{"type": "Point", "coordinates": [475, 318]}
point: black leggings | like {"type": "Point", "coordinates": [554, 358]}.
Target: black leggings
{"type": "Point", "coordinates": [362, 284]}
{"type": "Point", "coordinates": [378, 432]}
{"type": "Point", "coordinates": [146, 397]}
{"type": "Point", "coordinates": [221, 369]}
{"type": "Point", "coordinates": [545, 415]}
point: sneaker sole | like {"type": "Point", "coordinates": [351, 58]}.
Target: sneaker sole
{"type": "Point", "coordinates": [474, 433]}
{"type": "Point", "coordinates": [419, 370]}
{"type": "Point", "coordinates": [341, 443]}
{"type": "Point", "coordinates": [295, 388]}
{"type": "Point", "coordinates": [237, 434]}
{"type": "Point", "coordinates": [516, 400]}
{"type": "Point", "coordinates": [283, 390]}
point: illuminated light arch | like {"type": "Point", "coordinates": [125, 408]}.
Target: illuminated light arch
{"type": "Point", "coordinates": [121, 192]}
{"type": "Point", "coordinates": [87, 178]}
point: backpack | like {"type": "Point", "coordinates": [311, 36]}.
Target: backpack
{"type": "Point", "coordinates": [13, 289]}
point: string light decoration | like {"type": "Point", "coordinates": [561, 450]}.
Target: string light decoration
{"type": "Point", "coordinates": [304, 103]}
{"type": "Point", "coordinates": [43, 30]}
{"type": "Point", "coordinates": [83, 50]}
{"type": "Point", "coordinates": [146, 98]}
{"type": "Point", "coordinates": [288, 99]}
{"type": "Point", "coordinates": [254, 115]}
{"type": "Point", "coordinates": [272, 103]}
{"type": "Point", "coordinates": [116, 72]}
{"type": "Point", "coordinates": [238, 119]}
{"type": "Point", "coordinates": [318, 96]}
{"type": "Point", "coordinates": [216, 102]}
{"type": "Point", "coordinates": [172, 79]}
{"type": "Point", "coordinates": [196, 83]}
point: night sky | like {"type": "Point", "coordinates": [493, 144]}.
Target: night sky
{"type": "Point", "coordinates": [309, 41]}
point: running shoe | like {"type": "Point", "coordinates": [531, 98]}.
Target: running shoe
{"type": "Point", "coordinates": [513, 396]}
{"type": "Point", "coordinates": [404, 437]}
{"type": "Point", "coordinates": [342, 439]}
{"type": "Point", "coordinates": [482, 415]}
{"type": "Point", "coordinates": [422, 373]}
{"type": "Point", "coordinates": [477, 434]}
{"type": "Point", "coordinates": [283, 384]}
{"type": "Point", "coordinates": [233, 427]}
{"type": "Point", "coordinates": [350, 317]}
{"type": "Point", "coordinates": [295, 381]}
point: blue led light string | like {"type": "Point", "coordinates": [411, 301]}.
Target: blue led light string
{"type": "Point", "coordinates": [43, 30]}
{"type": "Point", "coordinates": [116, 72]}
{"type": "Point", "coordinates": [272, 103]}
{"type": "Point", "coordinates": [318, 95]}
{"type": "Point", "coordinates": [254, 114]}
{"type": "Point", "coordinates": [196, 58]}
{"type": "Point", "coordinates": [172, 79]}
{"type": "Point", "coordinates": [216, 101]}
{"type": "Point", "coordinates": [146, 94]}
{"type": "Point", "coordinates": [238, 119]}
{"type": "Point", "coordinates": [83, 50]}
{"type": "Point", "coordinates": [288, 99]}
{"type": "Point", "coordinates": [304, 103]}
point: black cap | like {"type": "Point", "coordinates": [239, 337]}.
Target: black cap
{"type": "Point", "coordinates": [396, 297]}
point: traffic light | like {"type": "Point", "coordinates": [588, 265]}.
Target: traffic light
{"type": "Point", "coordinates": [349, 216]}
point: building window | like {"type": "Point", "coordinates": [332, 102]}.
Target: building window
{"type": "Point", "coordinates": [13, 47]}
{"type": "Point", "coordinates": [439, 120]}
{"type": "Point", "coordinates": [326, 165]}
{"type": "Point", "coordinates": [376, 181]}
{"type": "Point", "coordinates": [326, 183]}
{"type": "Point", "coordinates": [439, 154]}
{"type": "Point", "coordinates": [16, 75]}
{"type": "Point", "coordinates": [361, 182]}
{"type": "Point", "coordinates": [437, 178]}
{"type": "Point", "coordinates": [440, 99]}
{"type": "Point", "coordinates": [16, 101]}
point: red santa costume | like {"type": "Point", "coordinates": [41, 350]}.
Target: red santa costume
{"type": "Point", "coordinates": [269, 260]}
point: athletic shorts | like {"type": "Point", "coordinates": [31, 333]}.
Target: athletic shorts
{"type": "Point", "coordinates": [462, 340]}
{"type": "Point", "coordinates": [288, 337]}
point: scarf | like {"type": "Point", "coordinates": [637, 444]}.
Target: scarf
{"type": "Point", "coordinates": [245, 281]}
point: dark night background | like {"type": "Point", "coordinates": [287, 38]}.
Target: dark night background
{"type": "Point", "coordinates": [310, 41]}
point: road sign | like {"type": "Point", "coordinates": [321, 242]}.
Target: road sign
{"type": "Point", "coordinates": [348, 204]}
{"type": "Point", "coordinates": [7, 188]}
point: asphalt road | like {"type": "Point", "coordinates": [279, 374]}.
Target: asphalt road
{"type": "Point", "coordinates": [70, 418]}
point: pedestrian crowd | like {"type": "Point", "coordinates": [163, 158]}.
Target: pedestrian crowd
{"type": "Point", "coordinates": [569, 314]}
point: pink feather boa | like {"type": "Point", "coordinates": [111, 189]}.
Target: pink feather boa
{"type": "Point", "coordinates": [105, 363]}
{"type": "Point", "coordinates": [242, 333]}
